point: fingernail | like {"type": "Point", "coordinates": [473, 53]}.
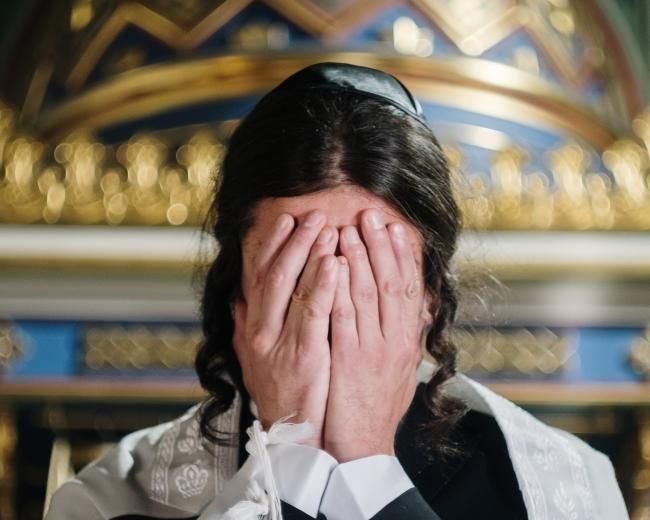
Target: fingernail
{"type": "Point", "coordinates": [372, 217]}
{"type": "Point", "coordinates": [351, 235]}
{"type": "Point", "coordinates": [325, 236]}
{"type": "Point", "coordinates": [313, 219]}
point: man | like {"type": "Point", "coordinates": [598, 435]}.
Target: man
{"type": "Point", "coordinates": [336, 226]}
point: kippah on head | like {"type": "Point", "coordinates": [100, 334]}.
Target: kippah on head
{"type": "Point", "coordinates": [346, 77]}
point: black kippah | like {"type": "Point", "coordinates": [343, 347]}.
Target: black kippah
{"type": "Point", "coordinates": [346, 77]}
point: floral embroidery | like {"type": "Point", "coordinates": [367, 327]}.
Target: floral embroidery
{"type": "Point", "coordinates": [579, 474]}
{"type": "Point", "coordinates": [565, 503]}
{"type": "Point", "coordinates": [545, 455]}
{"type": "Point", "coordinates": [550, 469]}
{"type": "Point", "coordinates": [175, 477]}
{"type": "Point", "coordinates": [191, 479]}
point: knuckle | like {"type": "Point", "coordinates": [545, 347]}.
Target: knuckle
{"type": "Point", "coordinates": [367, 293]}
{"type": "Point", "coordinates": [300, 293]}
{"type": "Point", "coordinates": [259, 340]}
{"type": "Point", "coordinates": [391, 286]}
{"type": "Point", "coordinates": [412, 289]}
{"type": "Point", "coordinates": [342, 314]}
{"type": "Point", "coordinates": [276, 276]}
{"type": "Point", "coordinates": [311, 311]}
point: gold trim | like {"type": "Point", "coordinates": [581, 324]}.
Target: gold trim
{"type": "Point", "coordinates": [323, 23]}
{"type": "Point", "coordinates": [309, 17]}
{"type": "Point", "coordinates": [540, 112]}
{"type": "Point", "coordinates": [140, 347]}
{"type": "Point", "coordinates": [634, 96]}
{"type": "Point", "coordinates": [162, 87]}
{"type": "Point", "coordinates": [11, 345]}
{"type": "Point", "coordinates": [523, 393]}
{"type": "Point", "coordinates": [573, 394]}
{"type": "Point", "coordinates": [495, 30]}
{"type": "Point", "coordinates": [306, 15]}
{"type": "Point", "coordinates": [156, 25]}
{"type": "Point", "coordinates": [639, 355]}
{"type": "Point", "coordinates": [640, 497]}
{"type": "Point", "coordinates": [8, 440]}
{"type": "Point", "coordinates": [81, 389]}
{"type": "Point", "coordinates": [85, 182]}
{"type": "Point", "coordinates": [474, 42]}
{"type": "Point", "coordinates": [36, 91]}
{"type": "Point", "coordinates": [520, 351]}
{"type": "Point", "coordinates": [505, 271]}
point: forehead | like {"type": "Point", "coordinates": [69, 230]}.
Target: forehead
{"type": "Point", "coordinates": [342, 206]}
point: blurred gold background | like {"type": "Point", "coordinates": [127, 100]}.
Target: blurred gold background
{"type": "Point", "coordinates": [114, 117]}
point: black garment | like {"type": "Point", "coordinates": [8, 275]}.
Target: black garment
{"type": "Point", "coordinates": [479, 483]}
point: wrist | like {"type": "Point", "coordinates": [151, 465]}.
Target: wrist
{"type": "Point", "coordinates": [313, 443]}
{"type": "Point", "coordinates": [346, 452]}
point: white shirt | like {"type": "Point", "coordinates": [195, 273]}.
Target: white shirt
{"type": "Point", "coordinates": [312, 480]}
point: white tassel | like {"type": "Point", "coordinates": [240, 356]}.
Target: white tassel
{"type": "Point", "coordinates": [258, 501]}
{"type": "Point", "coordinates": [255, 506]}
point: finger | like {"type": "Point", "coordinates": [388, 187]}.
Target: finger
{"type": "Point", "coordinates": [384, 268]}
{"type": "Point", "coordinates": [283, 274]}
{"type": "Point", "coordinates": [325, 244]}
{"type": "Point", "coordinates": [362, 285]}
{"type": "Point", "coordinates": [317, 307]}
{"type": "Point", "coordinates": [403, 251]}
{"type": "Point", "coordinates": [411, 275]}
{"type": "Point", "coordinates": [344, 325]}
{"type": "Point", "coordinates": [264, 257]}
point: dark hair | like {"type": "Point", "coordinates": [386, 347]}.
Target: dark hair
{"type": "Point", "coordinates": [320, 140]}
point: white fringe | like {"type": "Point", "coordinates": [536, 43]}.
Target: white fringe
{"type": "Point", "coordinates": [266, 502]}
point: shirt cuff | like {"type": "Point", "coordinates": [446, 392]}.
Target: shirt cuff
{"type": "Point", "coordinates": [301, 474]}
{"type": "Point", "coordinates": [359, 489]}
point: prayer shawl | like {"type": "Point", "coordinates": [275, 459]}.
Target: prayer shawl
{"type": "Point", "coordinates": [164, 471]}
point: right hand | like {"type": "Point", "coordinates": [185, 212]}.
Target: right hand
{"type": "Point", "coordinates": [281, 330]}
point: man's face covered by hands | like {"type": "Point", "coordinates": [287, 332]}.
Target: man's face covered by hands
{"type": "Point", "coordinates": [334, 311]}
{"type": "Point", "coordinates": [342, 206]}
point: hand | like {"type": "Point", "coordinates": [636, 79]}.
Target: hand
{"type": "Point", "coordinates": [286, 361]}
{"type": "Point", "coordinates": [377, 325]}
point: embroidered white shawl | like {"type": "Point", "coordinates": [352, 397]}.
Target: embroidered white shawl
{"type": "Point", "coordinates": [165, 472]}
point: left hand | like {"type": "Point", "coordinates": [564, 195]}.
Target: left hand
{"type": "Point", "coordinates": [377, 324]}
